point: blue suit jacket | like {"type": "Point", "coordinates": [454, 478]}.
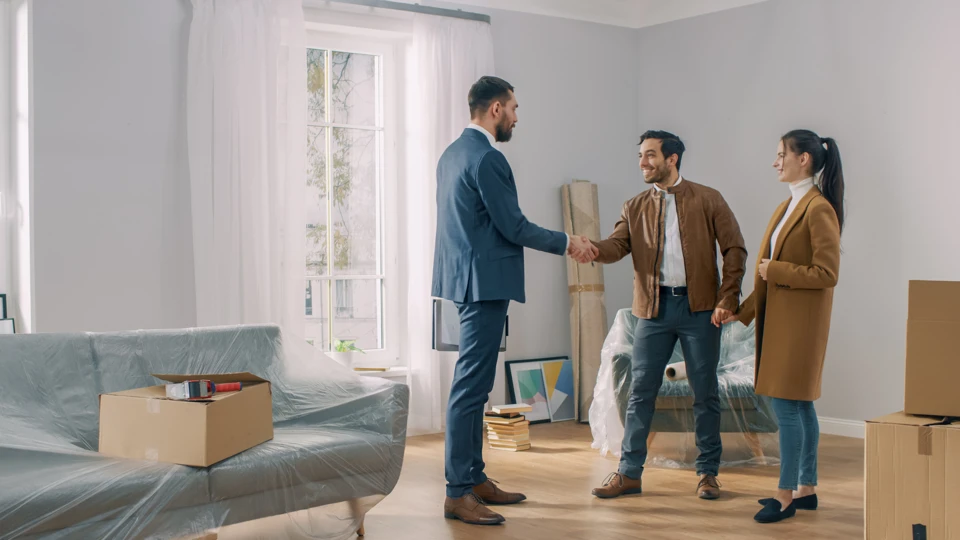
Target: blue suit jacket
{"type": "Point", "coordinates": [481, 231]}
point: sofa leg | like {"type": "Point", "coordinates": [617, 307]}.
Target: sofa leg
{"type": "Point", "coordinates": [753, 441]}
{"type": "Point", "coordinates": [357, 513]}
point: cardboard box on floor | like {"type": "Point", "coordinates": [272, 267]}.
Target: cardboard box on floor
{"type": "Point", "coordinates": [144, 424]}
{"type": "Point", "coordinates": [912, 478]}
{"type": "Point", "coordinates": [933, 349]}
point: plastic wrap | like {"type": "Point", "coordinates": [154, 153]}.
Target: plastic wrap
{"type": "Point", "coordinates": [337, 449]}
{"type": "Point", "coordinates": [748, 425]}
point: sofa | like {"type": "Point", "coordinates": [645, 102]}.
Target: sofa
{"type": "Point", "coordinates": [746, 419]}
{"type": "Point", "coordinates": [338, 437]}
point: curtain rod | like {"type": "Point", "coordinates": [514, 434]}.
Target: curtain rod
{"type": "Point", "coordinates": [413, 8]}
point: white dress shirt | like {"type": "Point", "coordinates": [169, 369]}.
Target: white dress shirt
{"type": "Point", "coordinates": [673, 273]}
{"type": "Point", "coordinates": [493, 141]}
{"type": "Point", "coordinates": [797, 190]}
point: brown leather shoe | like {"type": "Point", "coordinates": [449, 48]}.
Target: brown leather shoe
{"type": "Point", "coordinates": [470, 509]}
{"type": "Point", "coordinates": [616, 485]}
{"type": "Point", "coordinates": [709, 487]}
{"type": "Point", "coordinates": [489, 493]}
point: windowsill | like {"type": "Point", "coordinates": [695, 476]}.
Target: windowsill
{"type": "Point", "coordinates": [390, 373]}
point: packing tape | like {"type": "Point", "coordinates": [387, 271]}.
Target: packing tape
{"type": "Point", "coordinates": [151, 454]}
{"type": "Point", "coordinates": [586, 288]}
{"type": "Point", "coordinates": [153, 406]}
{"type": "Point", "coordinates": [925, 441]}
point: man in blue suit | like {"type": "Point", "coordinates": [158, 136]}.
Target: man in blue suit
{"type": "Point", "coordinates": [478, 264]}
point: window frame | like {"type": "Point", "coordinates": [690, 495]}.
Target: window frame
{"type": "Point", "coordinates": [388, 219]}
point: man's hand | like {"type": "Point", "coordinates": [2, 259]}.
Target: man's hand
{"type": "Point", "coordinates": [582, 250]}
{"type": "Point", "coordinates": [764, 263]}
{"type": "Point", "coordinates": [731, 318]}
{"type": "Point", "coordinates": [721, 316]}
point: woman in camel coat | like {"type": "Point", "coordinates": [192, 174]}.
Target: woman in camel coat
{"type": "Point", "coordinates": [792, 300]}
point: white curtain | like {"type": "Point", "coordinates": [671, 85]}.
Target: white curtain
{"type": "Point", "coordinates": [246, 114]}
{"type": "Point", "coordinates": [449, 55]}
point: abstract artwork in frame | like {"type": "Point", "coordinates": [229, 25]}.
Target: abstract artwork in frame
{"type": "Point", "coordinates": [546, 384]}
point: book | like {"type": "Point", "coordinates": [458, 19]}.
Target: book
{"type": "Point", "coordinates": [503, 421]}
{"type": "Point", "coordinates": [512, 408]}
{"type": "Point", "coordinates": [516, 426]}
{"type": "Point", "coordinates": [501, 415]}
{"type": "Point", "coordinates": [511, 448]}
{"type": "Point", "coordinates": [518, 449]}
{"type": "Point", "coordinates": [508, 438]}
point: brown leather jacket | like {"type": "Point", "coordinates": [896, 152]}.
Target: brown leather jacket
{"type": "Point", "coordinates": [705, 220]}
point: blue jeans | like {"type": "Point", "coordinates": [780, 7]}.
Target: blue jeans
{"type": "Point", "coordinates": [653, 344]}
{"type": "Point", "coordinates": [481, 328]}
{"type": "Point", "coordinates": [799, 439]}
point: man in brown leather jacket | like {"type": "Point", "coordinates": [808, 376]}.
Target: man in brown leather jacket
{"type": "Point", "coordinates": [671, 231]}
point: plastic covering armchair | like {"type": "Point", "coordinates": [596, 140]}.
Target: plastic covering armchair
{"type": "Point", "coordinates": [747, 423]}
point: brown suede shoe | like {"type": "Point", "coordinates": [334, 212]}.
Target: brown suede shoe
{"type": "Point", "coordinates": [489, 493]}
{"type": "Point", "coordinates": [616, 485]}
{"type": "Point", "coordinates": [709, 487]}
{"type": "Point", "coordinates": [470, 509]}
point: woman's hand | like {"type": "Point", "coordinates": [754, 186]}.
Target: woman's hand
{"type": "Point", "coordinates": [731, 318]}
{"type": "Point", "coordinates": [764, 263]}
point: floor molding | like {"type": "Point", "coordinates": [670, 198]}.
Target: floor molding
{"type": "Point", "coordinates": [842, 427]}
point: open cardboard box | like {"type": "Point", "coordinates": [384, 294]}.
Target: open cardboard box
{"type": "Point", "coordinates": [144, 424]}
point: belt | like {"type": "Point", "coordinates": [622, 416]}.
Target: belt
{"type": "Point", "coordinates": [673, 291]}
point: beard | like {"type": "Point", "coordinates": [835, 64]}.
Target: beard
{"type": "Point", "coordinates": [659, 175]}
{"type": "Point", "coordinates": [504, 131]}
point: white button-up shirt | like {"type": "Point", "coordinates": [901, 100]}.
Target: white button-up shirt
{"type": "Point", "coordinates": [673, 273]}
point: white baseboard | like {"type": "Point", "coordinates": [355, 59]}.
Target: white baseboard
{"type": "Point", "coordinates": [842, 427]}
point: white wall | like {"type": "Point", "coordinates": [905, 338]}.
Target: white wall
{"type": "Point", "coordinates": [879, 76]}
{"type": "Point", "coordinates": [575, 82]}
{"type": "Point", "coordinates": [112, 235]}
{"type": "Point", "coordinates": [113, 246]}
{"type": "Point", "coordinates": [112, 204]}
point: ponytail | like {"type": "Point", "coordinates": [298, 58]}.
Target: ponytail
{"type": "Point", "coordinates": [826, 158]}
{"type": "Point", "coordinates": [831, 180]}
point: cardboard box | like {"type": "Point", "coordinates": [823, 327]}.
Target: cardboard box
{"type": "Point", "coordinates": [933, 349]}
{"type": "Point", "coordinates": [144, 424]}
{"type": "Point", "coordinates": [912, 478]}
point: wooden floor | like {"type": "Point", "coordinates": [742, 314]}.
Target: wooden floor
{"type": "Point", "coordinates": [557, 475]}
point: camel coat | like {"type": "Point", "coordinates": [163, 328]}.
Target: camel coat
{"type": "Point", "coordinates": [792, 307]}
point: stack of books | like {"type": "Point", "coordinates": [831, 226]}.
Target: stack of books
{"type": "Point", "coordinates": [507, 428]}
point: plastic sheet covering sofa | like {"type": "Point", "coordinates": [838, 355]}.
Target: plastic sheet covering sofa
{"type": "Point", "coordinates": [337, 449]}
{"type": "Point", "coordinates": [748, 425]}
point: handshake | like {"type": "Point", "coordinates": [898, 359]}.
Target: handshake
{"type": "Point", "coordinates": [581, 250]}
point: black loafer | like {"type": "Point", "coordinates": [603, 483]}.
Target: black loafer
{"type": "Point", "coordinates": [809, 502]}
{"type": "Point", "coordinates": [773, 512]}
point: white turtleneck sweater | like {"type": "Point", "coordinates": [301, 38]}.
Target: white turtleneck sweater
{"type": "Point", "coordinates": [797, 190]}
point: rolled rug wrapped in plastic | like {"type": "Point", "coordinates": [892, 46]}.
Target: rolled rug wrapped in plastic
{"type": "Point", "coordinates": [676, 371]}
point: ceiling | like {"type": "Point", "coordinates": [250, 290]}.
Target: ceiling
{"type": "Point", "coordinates": [628, 13]}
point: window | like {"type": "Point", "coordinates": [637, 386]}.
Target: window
{"type": "Point", "coordinates": [350, 273]}
{"type": "Point", "coordinates": [15, 127]}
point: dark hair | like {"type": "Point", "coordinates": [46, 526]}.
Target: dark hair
{"type": "Point", "coordinates": [485, 91]}
{"type": "Point", "coordinates": [670, 144]}
{"type": "Point", "coordinates": [801, 141]}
